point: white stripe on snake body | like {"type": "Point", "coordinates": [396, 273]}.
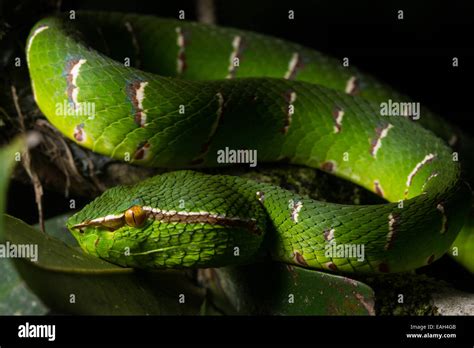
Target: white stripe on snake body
{"type": "Point", "coordinates": [219, 112]}
{"type": "Point", "coordinates": [136, 47]}
{"type": "Point", "coordinates": [140, 96]}
{"type": "Point", "coordinates": [291, 98]}
{"type": "Point", "coordinates": [72, 90]}
{"type": "Point", "coordinates": [392, 229]}
{"type": "Point", "coordinates": [181, 59]}
{"type": "Point", "coordinates": [36, 32]}
{"type": "Point", "coordinates": [432, 175]}
{"type": "Point", "coordinates": [260, 196]}
{"type": "Point", "coordinates": [295, 211]}
{"type": "Point", "coordinates": [428, 158]}
{"type": "Point", "coordinates": [352, 86]}
{"type": "Point", "coordinates": [202, 217]}
{"type": "Point", "coordinates": [377, 143]}
{"type": "Point", "coordinates": [237, 48]}
{"type": "Point", "coordinates": [444, 219]}
{"type": "Point", "coordinates": [212, 132]}
{"type": "Point", "coordinates": [329, 234]}
{"type": "Point", "coordinates": [338, 114]}
{"type": "Point", "coordinates": [136, 94]}
{"type": "Point", "coordinates": [220, 106]}
{"type": "Point", "coordinates": [170, 216]}
{"type": "Point", "coordinates": [378, 188]}
{"type": "Point", "coordinates": [293, 66]}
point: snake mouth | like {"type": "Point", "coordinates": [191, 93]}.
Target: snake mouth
{"type": "Point", "coordinates": [109, 222]}
{"type": "Point", "coordinates": [134, 216]}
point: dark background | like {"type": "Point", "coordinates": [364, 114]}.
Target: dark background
{"type": "Point", "coordinates": [414, 54]}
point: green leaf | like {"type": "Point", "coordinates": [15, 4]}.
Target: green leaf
{"type": "Point", "coordinates": [15, 297]}
{"type": "Point", "coordinates": [462, 248]}
{"type": "Point", "coordinates": [8, 159]}
{"type": "Point", "coordinates": [278, 289]}
{"type": "Point", "coordinates": [69, 281]}
{"type": "Point", "coordinates": [56, 227]}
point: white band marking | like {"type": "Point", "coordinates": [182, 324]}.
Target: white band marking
{"type": "Point", "coordinates": [180, 63]}
{"type": "Point", "coordinates": [444, 218]}
{"type": "Point", "coordinates": [428, 158]}
{"type": "Point", "coordinates": [36, 32]}
{"type": "Point", "coordinates": [391, 231]}
{"type": "Point", "coordinates": [236, 45]}
{"type": "Point", "coordinates": [378, 141]}
{"type": "Point", "coordinates": [295, 212]}
{"type": "Point", "coordinates": [75, 73]}
{"type": "Point", "coordinates": [338, 115]}
{"type": "Point", "coordinates": [352, 85]}
{"type": "Point", "coordinates": [292, 65]}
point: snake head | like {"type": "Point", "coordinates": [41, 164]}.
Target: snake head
{"type": "Point", "coordinates": [98, 224]}
{"type": "Point", "coordinates": [148, 226]}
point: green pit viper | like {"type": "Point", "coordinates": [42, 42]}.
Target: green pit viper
{"type": "Point", "coordinates": [172, 94]}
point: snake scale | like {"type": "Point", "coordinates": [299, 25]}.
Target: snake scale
{"type": "Point", "coordinates": [173, 94]}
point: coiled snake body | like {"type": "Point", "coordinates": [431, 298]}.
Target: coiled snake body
{"type": "Point", "coordinates": [196, 90]}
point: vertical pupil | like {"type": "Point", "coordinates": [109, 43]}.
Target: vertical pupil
{"type": "Point", "coordinates": [135, 216]}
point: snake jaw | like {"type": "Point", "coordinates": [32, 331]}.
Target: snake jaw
{"type": "Point", "coordinates": [109, 222]}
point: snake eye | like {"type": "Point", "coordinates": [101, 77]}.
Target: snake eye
{"type": "Point", "coordinates": [135, 216]}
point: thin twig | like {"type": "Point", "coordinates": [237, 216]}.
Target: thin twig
{"type": "Point", "coordinates": [206, 11]}
{"type": "Point", "coordinates": [27, 163]}
{"type": "Point", "coordinates": [68, 167]}
{"type": "Point", "coordinates": [94, 178]}
{"type": "Point", "coordinates": [58, 6]}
